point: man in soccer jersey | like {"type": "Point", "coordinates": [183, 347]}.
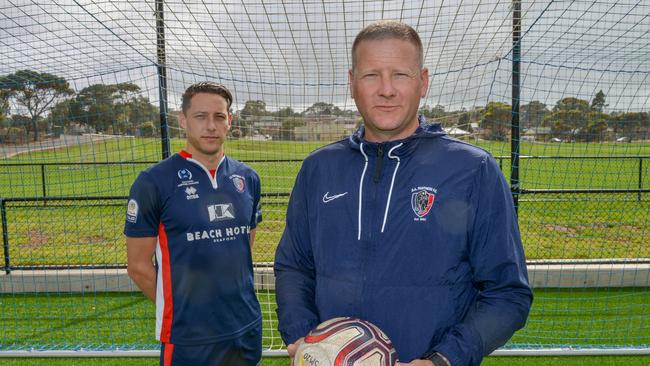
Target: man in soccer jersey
{"type": "Point", "coordinates": [196, 214]}
{"type": "Point", "coordinates": [402, 225]}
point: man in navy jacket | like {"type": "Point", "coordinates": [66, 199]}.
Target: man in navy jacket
{"type": "Point", "coordinates": [402, 225]}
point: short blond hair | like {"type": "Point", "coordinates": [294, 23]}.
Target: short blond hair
{"type": "Point", "coordinates": [388, 29]}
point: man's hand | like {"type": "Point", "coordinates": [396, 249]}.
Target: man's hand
{"type": "Point", "coordinates": [416, 363]}
{"type": "Point", "coordinates": [293, 347]}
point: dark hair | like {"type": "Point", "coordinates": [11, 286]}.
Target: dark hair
{"type": "Point", "coordinates": [205, 87]}
{"type": "Point", "coordinates": [388, 29]}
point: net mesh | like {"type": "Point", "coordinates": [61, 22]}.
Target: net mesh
{"type": "Point", "coordinates": [67, 162]}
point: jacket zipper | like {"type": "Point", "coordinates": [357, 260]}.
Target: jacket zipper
{"type": "Point", "coordinates": [380, 160]}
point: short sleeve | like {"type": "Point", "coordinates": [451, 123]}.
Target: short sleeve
{"type": "Point", "coordinates": [143, 208]}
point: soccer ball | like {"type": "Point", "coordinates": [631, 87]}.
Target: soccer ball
{"type": "Point", "coordinates": [346, 342]}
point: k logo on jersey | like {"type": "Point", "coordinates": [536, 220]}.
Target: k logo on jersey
{"type": "Point", "coordinates": [221, 211]}
{"type": "Point", "coordinates": [421, 201]}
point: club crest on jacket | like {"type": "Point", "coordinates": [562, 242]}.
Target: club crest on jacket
{"type": "Point", "coordinates": [421, 201]}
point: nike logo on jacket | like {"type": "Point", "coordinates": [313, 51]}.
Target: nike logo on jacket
{"type": "Point", "coordinates": [328, 198]}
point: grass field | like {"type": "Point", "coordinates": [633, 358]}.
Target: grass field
{"type": "Point", "coordinates": [577, 317]}
{"type": "Point", "coordinates": [552, 225]}
{"type": "Point", "coordinates": [93, 180]}
{"type": "Point", "coordinates": [77, 232]}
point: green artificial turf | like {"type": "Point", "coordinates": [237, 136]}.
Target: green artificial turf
{"type": "Point", "coordinates": [579, 318]}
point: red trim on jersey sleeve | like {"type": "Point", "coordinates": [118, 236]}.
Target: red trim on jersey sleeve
{"type": "Point", "coordinates": [185, 154]}
{"type": "Point", "coordinates": [168, 311]}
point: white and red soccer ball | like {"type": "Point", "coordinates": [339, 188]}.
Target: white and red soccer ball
{"type": "Point", "coordinates": [346, 342]}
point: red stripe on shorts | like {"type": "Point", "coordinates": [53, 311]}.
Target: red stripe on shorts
{"type": "Point", "coordinates": [167, 356]}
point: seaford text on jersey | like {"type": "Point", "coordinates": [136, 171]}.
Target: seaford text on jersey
{"type": "Point", "coordinates": [219, 235]}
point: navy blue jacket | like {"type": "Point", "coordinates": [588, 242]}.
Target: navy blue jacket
{"type": "Point", "coordinates": [418, 236]}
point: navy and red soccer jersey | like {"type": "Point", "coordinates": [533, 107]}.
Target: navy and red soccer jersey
{"type": "Point", "coordinates": [205, 290]}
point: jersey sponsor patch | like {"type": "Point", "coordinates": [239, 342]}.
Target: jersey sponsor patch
{"type": "Point", "coordinates": [238, 182]}
{"type": "Point", "coordinates": [421, 201]}
{"type": "Point", "coordinates": [221, 211]}
{"type": "Point", "coordinates": [184, 174]}
{"type": "Point", "coordinates": [132, 211]}
{"type": "Point", "coordinates": [218, 235]}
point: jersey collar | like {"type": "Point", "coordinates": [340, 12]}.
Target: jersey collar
{"type": "Point", "coordinates": [212, 176]}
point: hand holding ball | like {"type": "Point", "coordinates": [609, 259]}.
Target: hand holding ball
{"type": "Point", "coordinates": [346, 342]}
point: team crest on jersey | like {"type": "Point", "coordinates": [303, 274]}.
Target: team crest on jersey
{"type": "Point", "coordinates": [421, 201]}
{"type": "Point", "coordinates": [238, 182]}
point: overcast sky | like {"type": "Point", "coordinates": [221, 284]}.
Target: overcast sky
{"type": "Point", "coordinates": [295, 53]}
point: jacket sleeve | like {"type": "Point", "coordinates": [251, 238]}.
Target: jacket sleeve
{"type": "Point", "coordinates": [499, 273]}
{"type": "Point", "coordinates": [257, 205]}
{"type": "Point", "coordinates": [294, 270]}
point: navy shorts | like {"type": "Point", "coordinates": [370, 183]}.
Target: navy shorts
{"type": "Point", "coordinates": [246, 350]}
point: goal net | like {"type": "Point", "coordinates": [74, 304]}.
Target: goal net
{"type": "Point", "coordinates": [90, 96]}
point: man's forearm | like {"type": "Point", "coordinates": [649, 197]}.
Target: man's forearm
{"type": "Point", "coordinates": [140, 251]}
{"type": "Point", "coordinates": [146, 281]}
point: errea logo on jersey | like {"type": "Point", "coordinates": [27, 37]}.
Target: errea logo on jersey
{"type": "Point", "coordinates": [191, 193]}
{"type": "Point", "coordinates": [221, 211]}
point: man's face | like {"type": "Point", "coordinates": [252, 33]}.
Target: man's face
{"type": "Point", "coordinates": [387, 84]}
{"type": "Point", "coordinates": [206, 123]}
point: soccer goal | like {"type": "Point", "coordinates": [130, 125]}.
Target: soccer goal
{"type": "Point", "coordinates": [90, 94]}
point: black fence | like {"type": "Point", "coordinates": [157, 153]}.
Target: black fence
{"type": "Point", "coordinates": [113, 205]}
{"type": "Point", "coordinates": [639, 158]}
{"type": "Point", "coordinates": [43, 169]}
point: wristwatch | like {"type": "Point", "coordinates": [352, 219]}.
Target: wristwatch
{"type": "Point", "coordinates": [437, 358]}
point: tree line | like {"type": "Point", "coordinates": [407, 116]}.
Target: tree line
{"type": "Point", "coordinates": [45, 102]}
{"type": "Point", "coordinates": [570, 119]}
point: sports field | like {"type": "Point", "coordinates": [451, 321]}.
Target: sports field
{"type": "Point", "coordinates": [584, 317]}
{"type": "Point", "coordinates": [553, 226]}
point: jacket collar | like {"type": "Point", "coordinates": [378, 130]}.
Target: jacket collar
{"type": "Point", "coordinates": [424, 131]}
